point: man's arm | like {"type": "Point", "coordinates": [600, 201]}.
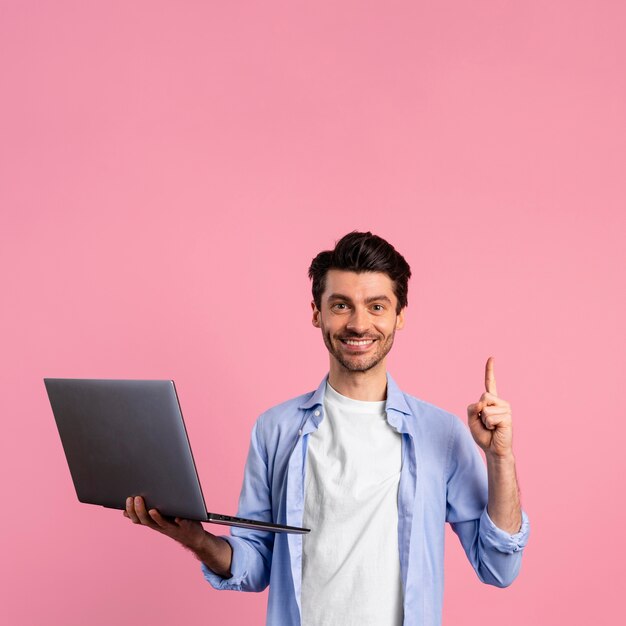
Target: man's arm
{"type": "Point", "coordinates": [214, 552]}
{"type": "Point", "coordinates": [491, 426]}
{"type": "Point", "coordinates": [493, 545]}
{"type": "Point", "coordinates": [504, 506]}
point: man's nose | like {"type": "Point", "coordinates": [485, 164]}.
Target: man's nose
{"type": "Point", "coordinates": [358, 322]}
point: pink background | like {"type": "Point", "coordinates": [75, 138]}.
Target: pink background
{"type": "Point", "coordinates": [169, 169]}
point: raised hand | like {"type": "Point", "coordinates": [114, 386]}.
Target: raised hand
{"type": "Point", "coordinates": [490, 420]}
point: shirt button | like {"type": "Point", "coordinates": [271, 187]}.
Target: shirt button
{"type": "Point", "coordinates": [300, 433]}
{"type": "Point", "coordinates": [317, 413]}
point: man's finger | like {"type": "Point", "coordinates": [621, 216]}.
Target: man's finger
{"type": "Point", "coordinates": [159, 520]}
{"type": "Point", "coordinates": [130, 510]}
{"type": "Point", "coordinates": [490, 377]}
{"type": "Point", "coordinates": [488, 399]}
{"type": "Point", "coordinates": [142, 513]}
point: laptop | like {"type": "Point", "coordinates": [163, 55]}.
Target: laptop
{"type": "Point", "coordinates": [127, 438]}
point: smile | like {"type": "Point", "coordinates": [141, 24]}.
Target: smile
{"type": "Point", "coordinates": [357, 346]}
{"type": "Point", "coordinates": [357, 342]}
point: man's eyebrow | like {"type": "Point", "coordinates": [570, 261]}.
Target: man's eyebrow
{"type": "Point", "coordinates": [340, 296]}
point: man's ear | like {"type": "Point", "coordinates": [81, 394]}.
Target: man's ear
{"type": "Point", "coordinates": [400, 320]}
{"type": "Point", "coordinates": [316, 315]}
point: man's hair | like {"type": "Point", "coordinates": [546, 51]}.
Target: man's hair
{"type": "Point", "coordinates": [362, 252]}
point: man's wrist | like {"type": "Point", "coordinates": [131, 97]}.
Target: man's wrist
{"type": "Point", "coordinates": [201, 544]}
{"type": "Point", "coordinates": [504, 459]}
{"type": "Point", "coordinates": [214, 552]}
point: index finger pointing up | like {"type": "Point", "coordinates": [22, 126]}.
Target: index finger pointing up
{"type": "Point", "coordinates": [490, 377]}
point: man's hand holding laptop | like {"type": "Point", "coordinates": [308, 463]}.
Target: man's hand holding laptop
{"type": "Point", "coordinates": [214, 552]}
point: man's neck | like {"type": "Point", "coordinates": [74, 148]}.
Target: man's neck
{"type": "Point", "coordinates": [370, 386]}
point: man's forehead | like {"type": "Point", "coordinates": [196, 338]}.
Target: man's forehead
{"type": "Point", "coordinates": [357, 284]}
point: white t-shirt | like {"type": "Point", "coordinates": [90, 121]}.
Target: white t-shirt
{"type": "Point", "coordinates": [350, 560]}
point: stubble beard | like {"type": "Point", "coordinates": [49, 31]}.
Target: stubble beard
{"type": "Point", "coordinates": [359, 363]}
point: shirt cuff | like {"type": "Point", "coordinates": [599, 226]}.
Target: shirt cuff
{"type": "Point", "coordinates": [238, 567]}
{"type": "Point", "coordinates": [498, 539]}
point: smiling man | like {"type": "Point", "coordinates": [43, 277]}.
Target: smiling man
{"type": "Point", "coordinates": [374, 472]}
{"type": "Point", "coordinates": [357, 343]}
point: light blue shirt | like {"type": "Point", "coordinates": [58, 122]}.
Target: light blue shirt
{"type": "Point", "coordinates": [443, 479]}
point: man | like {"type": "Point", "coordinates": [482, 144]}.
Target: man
{"type": "Point", "coordinates": [374, 472]}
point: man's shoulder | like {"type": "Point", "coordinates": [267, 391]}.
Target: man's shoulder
{"type": "Point", "coordinates": [423, 407]}
{"type": "Point", "coordinates": [428, 414]}
{"type": "Point", "coordinates": [281, 423]}
{"type": "Point", "coordinates": [287, 409]}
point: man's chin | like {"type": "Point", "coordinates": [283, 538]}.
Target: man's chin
{"type": "Point", "coordinates": [358, 365]}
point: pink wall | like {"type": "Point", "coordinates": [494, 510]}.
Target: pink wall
{"type": "Point", "coordinates": [169, 169]}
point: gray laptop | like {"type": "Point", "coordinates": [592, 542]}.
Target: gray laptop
{"type": "Point", "coordinates": [127, 438]}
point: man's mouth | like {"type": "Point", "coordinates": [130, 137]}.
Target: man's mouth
{"type": "Point", "coordinates": [357, 344]}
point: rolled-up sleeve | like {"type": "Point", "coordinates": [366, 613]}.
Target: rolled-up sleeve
{"type": "Point", "coordinates": [238, 567]}
{"type": "Point", "coordinates": [497, 539]}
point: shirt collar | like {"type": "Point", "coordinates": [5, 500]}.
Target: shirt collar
{"type": "Point", "coordinates": [317, 399]}
{"type": "Point", "coordinates": [395, 398]}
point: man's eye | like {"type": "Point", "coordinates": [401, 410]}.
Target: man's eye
{"type": "Point", "coordinates": [339, 305]}
{"type": "Point", "coordinates": [378, 307]}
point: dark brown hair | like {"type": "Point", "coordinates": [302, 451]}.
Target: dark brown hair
{"type": "Point", "coordinates": [362, 252]}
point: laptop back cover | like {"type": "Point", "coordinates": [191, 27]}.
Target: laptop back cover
{"type": "Point", "coordinates": [126, 438]}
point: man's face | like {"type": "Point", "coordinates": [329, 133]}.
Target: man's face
{"type": "Point", "coordinates": [358, 318]}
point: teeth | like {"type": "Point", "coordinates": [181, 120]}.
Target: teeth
{"type": "Point", "coordinates": [351, 342]}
